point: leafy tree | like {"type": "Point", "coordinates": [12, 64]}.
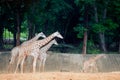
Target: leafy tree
{"type": "Point", "coordinates": [45, 15]}
{"type": "Point", "coordinates": [84, 6]}
{"type": "Point", "coordinates": [114, 11]}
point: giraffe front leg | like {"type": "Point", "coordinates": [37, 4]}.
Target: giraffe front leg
{"type": "Point", "coordinates": [96, 69]}
{"type": "Point", "coordinates": [84, 69]}
{"type": "Point", "coordinates": [40, 65]}
{"type": "Point", "coordinates": [34, 64]}
{"type": "Point", "coordinates": [22, 64]}
{"type": "Point", "coordinates": [43, 66]}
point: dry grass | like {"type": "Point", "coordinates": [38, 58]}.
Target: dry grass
{"type": "Point", "coordinates": [61, 76]}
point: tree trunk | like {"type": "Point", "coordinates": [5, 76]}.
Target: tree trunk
{"type": "Point", "coordinates": [30, 30]}
{"type": "Point", "coordinates": [14, 37]}
{"type": "Point", "coordinates": [96, 14]}
{"type": "Point", "coordinates": [18, 29]}
{"type": "Point", "coordinates": [15, 32]}
{"type": "Point", "coordinates": [102, 41]}
{"type": "Point", "coordinates": [84, 49]}
{"type": "Point", "coordinates": [1, 37]}
{"type": "Point", "coordinates": [119, 47]}
{"type": "Point", "coordinates": [101, 35]}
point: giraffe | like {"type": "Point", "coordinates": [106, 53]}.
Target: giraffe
{"type": "Point", "coordinates": [34, 47]}
{"type": "Point", "coordinates": [43, 53]}
{"type": "Point", "coordinates": [15, 50]}
{"type": "Point", "coordinates": [91, 65]}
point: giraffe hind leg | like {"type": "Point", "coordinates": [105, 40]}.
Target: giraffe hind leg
{"type": "Point", "coordinates": [22, 63]}
{"type": "Point", "coordinates": [18, 62]}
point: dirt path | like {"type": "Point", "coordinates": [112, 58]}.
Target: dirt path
{"type": "Point", "coordinates": [61, 76]}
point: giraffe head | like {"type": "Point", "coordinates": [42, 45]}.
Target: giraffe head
{"type": "Point", "coordinates": [41, 34]}
{"type": "Point", "coordinates": [57, 34]}
{"type": "Point", "coordinates": [55, 42]}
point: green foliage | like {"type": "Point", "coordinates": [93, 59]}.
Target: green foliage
{"type": "Point", "coordinates": [24, 36]}
{"type": "Point", "coordinates": [62, 15]}
{"type": "Point", "coordinates": [98, 27]}
{"type": "Point", "coordinates": [45, 13]}
{"type": "Point", "coordinates": [80, 29]}
{"type": "Point", "coordinates": [103, 27]}
{"type": "Point", "coordinates": [81, 2]}
{"type": "Point", "coordinates": [7, 34]}
{"type": "Point", "coordinates": [91, 48]}
{"type": "Point", "coordinates": [24, 26]}
{"type": "Point", "coordinates": [110, 24]}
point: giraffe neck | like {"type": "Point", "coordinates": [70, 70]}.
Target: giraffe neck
{"type": "Point", "coordinates": [97, 57]}
{"type": "Point", "coordinates": [34, 38]}
{"type": "Point", "coordinates": [47, 47]}
{"type": "Point", "coordinates": [31, 40]}
{"type": "Point", "coordinates": [43, 42]}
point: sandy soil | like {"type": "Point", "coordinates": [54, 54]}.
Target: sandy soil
{"type": "Point", "coordinates": [61, 76]}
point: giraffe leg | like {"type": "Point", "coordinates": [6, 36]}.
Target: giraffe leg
{"type": "Point", "coordinates": [34, 64]}
{"type": "Point", "coordinates": [18, 62]}
{"type": "Point", "coordinates": [40, 65]}
{"type": "Point", "coordinates": [91, 69]}
{"type": "Point", "coordinates": [44, 60]}
{"type": "Point", "coordinates": [85, 68]}
{"type": "Point", "coordinates": [96, 69]}
{"type": "Point", "coordinates": [22, 64]}
{"type": "Point", "coordinates": [43, 68]}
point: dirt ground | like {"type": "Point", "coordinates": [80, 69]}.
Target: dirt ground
{"type": "Point", "coordinates": [61, 76]}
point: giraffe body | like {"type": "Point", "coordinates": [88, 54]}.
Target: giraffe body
{"type": "Point", "coordinates": [90, 64]}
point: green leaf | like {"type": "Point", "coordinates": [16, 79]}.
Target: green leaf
{"type": "Point", "coordinates": [80, 29]}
